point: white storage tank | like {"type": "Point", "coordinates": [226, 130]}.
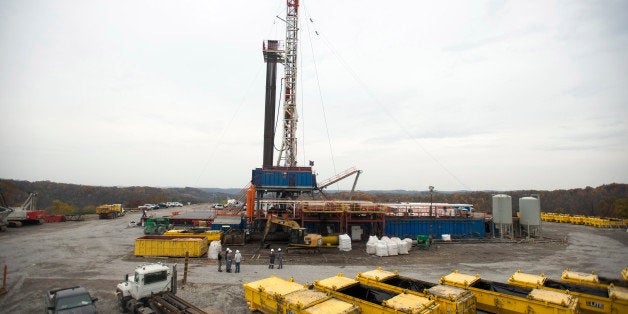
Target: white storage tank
{"type": "Point", "coordinates": [502, 209]}
{"type": "Point", "coordinates": [530, 211]}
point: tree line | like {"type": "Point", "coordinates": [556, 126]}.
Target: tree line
{"type": "Point", "coordinates": [63, 198]}
{"type": "Point", "coordinates": [609, 200]}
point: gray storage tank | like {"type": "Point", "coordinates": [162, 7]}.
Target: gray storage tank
{"type": "Point", "coordinates": [502, 215]}
{"type": "Point", "coordinates": [530, 215]}
{"type": "Point", "coordinates": [502, 209]}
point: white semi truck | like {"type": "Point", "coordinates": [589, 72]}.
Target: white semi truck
{"type": "Point", "coordinates": [152, 288]}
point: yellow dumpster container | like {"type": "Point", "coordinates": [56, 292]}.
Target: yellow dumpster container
{"type": "Point", "coordinates": [372, 299]}
{"type": "Point", "coordinates": [170, 246]}
{"type": "Point", "coordinates": [591, 299]}
{"type": "Point", "coordinates": [496, 297]}
{"type": "Point", "coordinates": [211, 235]}
{"type": "Point", "coordinates": [278, 295]}
{"type": "Point", "coordinates": [449, 299]}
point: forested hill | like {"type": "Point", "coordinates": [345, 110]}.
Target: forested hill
{"type": "Point", "coordinates": [86, 197]}
{"type": "Point", "coordinates": [609, 200]}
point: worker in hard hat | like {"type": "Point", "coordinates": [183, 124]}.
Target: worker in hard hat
{"type": "Point", "coordinates": [237, 258]}
{"type": "Point", "coordinates": [228, 258]}
{"type": "Point", "coordinates": [271, 265]}
{"type": "Point", "coordinates": [219, 261]}
{"type": "Point", "coordinates": [279, 258]}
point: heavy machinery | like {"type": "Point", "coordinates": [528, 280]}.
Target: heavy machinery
{"type": "Point", "coordinates": [5, 211]}
{"type": "Point", "coordinates": [110, 211]}
{"type": "Point", "coordinates": [27, 213]}
{"type": "Point", "coordinates": [156, 225]}
{"type": "Point", "coordinates": [152, 289]}
{"type": "Point", "coordinates": [298, 237]}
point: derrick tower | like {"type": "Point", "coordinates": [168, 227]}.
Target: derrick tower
{"type": "Point", "coordinates": [284, 180]}
{"type": "Point", "coordinates": [288, 151]}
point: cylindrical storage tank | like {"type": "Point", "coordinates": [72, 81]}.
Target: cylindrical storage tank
{"type": "Point", "coordinates": [502, 209]}
{"type": "Point", "coordinates": [530, 209]}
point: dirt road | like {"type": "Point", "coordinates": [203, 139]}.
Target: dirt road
{"type": "Point", "coordinates": [97, 253]}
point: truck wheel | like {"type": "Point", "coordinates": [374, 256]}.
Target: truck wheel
{"type": "Point", "coordinates": [122, 301]}
{"type": "Point", "coordinates": [161, 230]}
{"type": "Point", "coordinates": [132, 305]}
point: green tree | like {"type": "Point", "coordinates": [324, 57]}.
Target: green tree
{"type": "Point", "coordinates": [60, 208]}
{"type": "Point", "coordinates": [89, 209]}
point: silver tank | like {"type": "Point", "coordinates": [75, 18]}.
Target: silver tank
{"type": "Point", "coordinates": [530, 211]}
{"type": "Point", "coordinates": [502, 209]}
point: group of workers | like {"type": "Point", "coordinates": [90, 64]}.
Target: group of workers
{"type": "Point", "coordinates": [237, 258]}
{"type": "Point", "coordinates": [271, 265]}
{"type": "Point", "coordinates": [229, 259]}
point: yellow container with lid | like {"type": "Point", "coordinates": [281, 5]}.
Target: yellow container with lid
{"type": "Point", "coordinates": [449, 299]}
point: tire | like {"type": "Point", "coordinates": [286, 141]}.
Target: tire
{"type": "Point", "coordinates": [122, 301]}
{"type": "Point", "coordinates": [132, 305]}
{"type": "Point", "coordinates": [161, 230]}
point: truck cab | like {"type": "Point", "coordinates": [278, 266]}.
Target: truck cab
{"type": "Point", "coordinates": [147, 280]}
{"type": "Point", "coordinates": [70, 300]}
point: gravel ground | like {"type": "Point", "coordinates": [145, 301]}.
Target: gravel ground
{"type": "Point", "coordinates": [97, 253]}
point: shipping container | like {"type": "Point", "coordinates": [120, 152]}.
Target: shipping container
{"type": "Point", "coordinates": [459, 228]}
{"type": "Point", "coordinates": [171, 246]}
{"type": "Point", "coordinates": [284, 177]}
{"type": "Point", "coordinates": [227, 222]}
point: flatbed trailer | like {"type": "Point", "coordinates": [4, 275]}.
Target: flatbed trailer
{"type": "Point", "coordinates": [374, 300]}
{"type": "Point", "coordinates": [168, 302]}
{"type": "Point", "coordinates": [449, 299]}
{"type": "Point", "coordinates": [495, 297]}
{"type": "Point", "coordinates": [592, 299]}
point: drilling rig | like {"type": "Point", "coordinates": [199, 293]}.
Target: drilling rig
{"type": "Point", "coordinates": [283, 180]}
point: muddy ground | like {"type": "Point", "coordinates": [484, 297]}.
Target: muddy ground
{"type": "Point", "coordinates": [97, 253]}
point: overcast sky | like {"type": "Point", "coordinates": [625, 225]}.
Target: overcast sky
{"type": "Point", "coordinates": [470, 95]}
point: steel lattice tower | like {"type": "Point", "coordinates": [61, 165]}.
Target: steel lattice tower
{"type": "Point", "coordinates": [288, 151]}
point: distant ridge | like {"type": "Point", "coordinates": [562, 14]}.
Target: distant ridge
{"type": "Point", "coordinates": [609, 200]}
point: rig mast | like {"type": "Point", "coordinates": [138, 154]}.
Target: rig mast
{"type": "Point", "coordinates": [288, 152]}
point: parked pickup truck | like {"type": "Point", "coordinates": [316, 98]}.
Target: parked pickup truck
{"type": "Point", "coordinates": [70, 300]}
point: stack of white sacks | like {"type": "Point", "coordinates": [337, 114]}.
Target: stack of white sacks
{"type": "Point", "coordinates": [388, 246]}
{"type": "Point", "coordinates": [344, 243]}
{"type": "Point", "coordinates": [214, 248]}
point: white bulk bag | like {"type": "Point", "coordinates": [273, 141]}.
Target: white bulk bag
{"type": "Point", "coordinates": [371, 244]}
{"type": "Point", "coordinates": [344, 243]}
{"type": "Point", "coordinates": [214, 248]}
{"type": "Point", "coordinates": [381, 249]}
{"type": "Point", "coordinates": [393, 248]}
